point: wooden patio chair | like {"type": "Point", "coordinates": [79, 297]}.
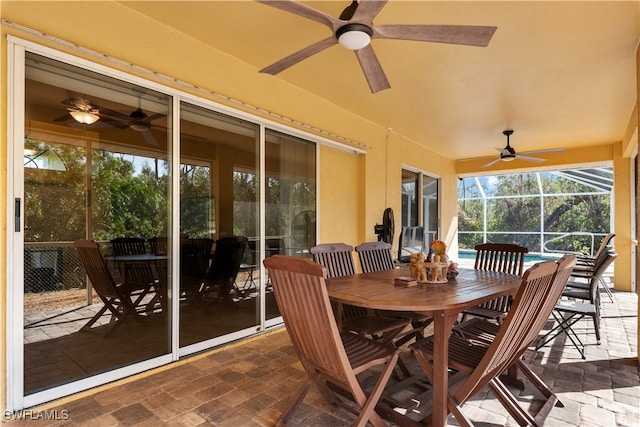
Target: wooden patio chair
{"type": "Point", "coordinates": [221, 277]}
{"type": "Point", "coordinates": [328, 356]}
{"type": "Point", "coordinates": [479, 365]}
{"type": "Point", "coordinates": [569, 310]}
{"type": "Point", "coordinates": [589, 260]}
{"type": "Point", "coordinates": [337, 259]}
{"type": "Point", "coordinates": [195, 260]}
{"type": "Point", "coordinates": [481, 331]}
{"type": "Point", "coordinates": [586, 267]}
{"type": "Point", "coordinates": [158, 245]}
{"type": "Point", "coordinates": [504, 258]}
{"type": "Point", "coordinates": [135, 275]}
{"type": "Point", "coordinates": [377, 256]}
{"type": "Point", "coordinates": [117, 298]}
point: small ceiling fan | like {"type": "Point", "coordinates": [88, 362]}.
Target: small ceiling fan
{"type": "Point", "coordinates": [139, 121]}
{"type": "Point", "coordinates": [354, 30]}
{"type": "Point", "coordinates": [508, 154]}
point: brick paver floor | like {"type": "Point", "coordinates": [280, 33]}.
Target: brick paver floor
{"type": "Point", "coordinates": [250, 383]}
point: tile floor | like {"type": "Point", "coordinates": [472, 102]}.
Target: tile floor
{"type": "Point", "coordinates": [251, 382]}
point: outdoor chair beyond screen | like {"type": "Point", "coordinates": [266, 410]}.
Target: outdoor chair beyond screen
{"type": "Point", "coordinates": [479, 365]}
{"type": "Point", "coordinates": [117, 299]}
{"type": "Point", "coordinates": [504, 258]}
{"type": "Point", "coordinates": [586, 267]}
{"type": "Point", "coordinates": [337, 259]}
{"type": "Point", "coordinates": [221, 277]}
{"type": "Point", "coordinates": [569, 311]}
{"type": "Point", "coordinates": [329, 358]}
{"type": "Point", "coordinates": [376, 256]}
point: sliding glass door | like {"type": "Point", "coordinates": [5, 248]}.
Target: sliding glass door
{"type": "Point", "coordinates": [142, 217]}
{"type": "Point", "coordinates": [219, 228]}
{"type": "Point", "coordinates": [96, 167]}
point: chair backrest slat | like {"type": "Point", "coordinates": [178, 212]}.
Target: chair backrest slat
{"type": "Point", "coordinates": [604, 243]}
{"type": "Point", "coordinates": [504, 258]}
{"type": "Point", "coordinates": [301, 294]}
{"type": "Point", "coordinates": [134, 273]}
{"type": "Point", "coordinates": [500, 257]}
{"type": "Point", "coordinates": [375, 256]}
{"type": "Point", "coordinates": [594, 281]}
{"type": "Point", "coordinates": [337, 259]}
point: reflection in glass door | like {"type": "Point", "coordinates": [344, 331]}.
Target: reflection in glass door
{"type": "Point", "coordinates": [96, 167]}
{"type": "Point", "coordinates": [219, 228]}
{"type": "Point", "coordinates": [290, 217]}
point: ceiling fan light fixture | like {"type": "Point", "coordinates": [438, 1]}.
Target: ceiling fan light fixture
{"type": "Point", "coordinates": [508, 158]}
{"type": "Point", "coordinates": [354, 36]}
{"type": "Point", "coordinates": [84, 117]}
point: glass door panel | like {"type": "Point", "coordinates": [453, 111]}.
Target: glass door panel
{"type": "Point", "coordinates": [96, 167]}
{"type": "Point", "coordinates": [290, 216]}
{"type": "Point", "coordinates": [219, 225]}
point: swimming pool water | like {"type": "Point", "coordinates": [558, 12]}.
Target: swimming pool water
{"type": "Point", "coordinates": [527, 258]}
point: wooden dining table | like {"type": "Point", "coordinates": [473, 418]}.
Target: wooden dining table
{"type": "Point", "coordinates": [443, 301]}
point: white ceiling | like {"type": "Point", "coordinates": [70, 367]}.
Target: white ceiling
{"type": "Point", "coordinates": [561, 74]}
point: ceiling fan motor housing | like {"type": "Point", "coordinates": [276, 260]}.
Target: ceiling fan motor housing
{"type": "Point", "coordinates": [354, 36]}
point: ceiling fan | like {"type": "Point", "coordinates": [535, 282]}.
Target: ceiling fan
{"type": "Point", "coordinates": [508, 154]}
{"type": "Point", "coordinates": [85, 113]}
{"type": "Point", "coordinates": [139, 121]}
{"type": "Point", "coordinates": [354, 30]}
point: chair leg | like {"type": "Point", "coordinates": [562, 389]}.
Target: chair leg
{"type": "Point", "coordinates": [606, 289]}
{"type": "Point", "coordinates": [368, 413]}
{"type": "Point", "coordinates": [539, 384]}
{"type": "Point", "coordinates": [510, 403]}
{"type": "Point", "coordinates": [299, 397]}
{"type": "Point", "coordinates": [564, 325]}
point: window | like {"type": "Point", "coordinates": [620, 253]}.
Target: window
{"type": "Point", "coordinates": [418, 187]}
{"type": "Point", "coordinates": [554, 211]}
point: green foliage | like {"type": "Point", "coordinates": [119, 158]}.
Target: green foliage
{"type": "Point", "coordinates": [516, 210]}
{"type": "Point", "coordinates": [196, 203]}
{"type": "Point", "coordinates": [55, 197]}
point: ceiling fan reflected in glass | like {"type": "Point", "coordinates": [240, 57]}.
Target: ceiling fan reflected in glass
{"type": "Point", "coordinates": [86, 113]}
{"type": "Point", "coordinates": [354, 30]}
{"type": "Point", "coordinates": [508, 153]}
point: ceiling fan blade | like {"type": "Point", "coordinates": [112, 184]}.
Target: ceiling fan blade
{"type": "Point", "coordinates": [469, 35]}
{"type": "Point", "coordinates": [305, 11]}
{"type": "Point", "coordinates": [529, 159]}
{"type": "Point", "coordinates": [112, 113]}
{"type": "Point", "coordinates": [63, 118]}
{"type": "Point", "coordinates": [372, 69]}
{"type": "Point", "coordinates": [550, 150]}
{"type": "Point", "coordinates": [114, 123]}
{"type": "Point", "coordinates": [367, 10]}
{"type": "Point", "coordinates": [300, 55]}
{"type": "Point", "coordinates": [153, 117]}
{"type": "Point", "coordinates": [150, 138]}
{"type": "Point", "coordinates": [492, 162]}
